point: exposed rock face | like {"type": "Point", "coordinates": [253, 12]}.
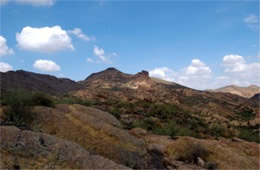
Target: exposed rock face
{"type": "Point", "coordinates": [22, 149]}
{"type": "Point", "coordinates": [37, 82]}
{"type": "Point", "coordinates": [94, 130]}
{"type": "Point", "coordinates": [247, 92]}
{"type": "Point", "coordinates": [112, 78]}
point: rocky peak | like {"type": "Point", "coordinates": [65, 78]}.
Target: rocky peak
{"type": "Point", "coordinates": [142, 74]}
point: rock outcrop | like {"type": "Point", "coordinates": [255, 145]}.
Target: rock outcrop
{"type": "Point", "coordinates": [96, 131]}
{"type": "Point", "coordinates": [23, 149]}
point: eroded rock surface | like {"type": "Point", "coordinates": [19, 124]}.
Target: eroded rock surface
{"type": "Point", "coordinates": [23, 149]}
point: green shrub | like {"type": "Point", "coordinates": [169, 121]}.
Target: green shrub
{"type": "Point", "coordinates": [42, 100]}
{"type": "Point", "coordinates": [247, 113]}
{"type": "Point", "coordinates": [171, 128]}
{"type": "Point", "coordinates": [74, 100]}
{"type": "Point", "coordinates": [19, 104]}
{"type": "Point", "coordinates": [115, 112]}
{"type": "Point", "coordinates": [147, 124]}
{"type": "Point", "coordinates": [217, 130]}
{"type": "Point", "coordinates": [249, 135]}
{"type": "Point", "coordinates": [192, 151]}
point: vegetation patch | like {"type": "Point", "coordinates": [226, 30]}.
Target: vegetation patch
{"type": "Point", "coordinates": [192, 152]}
{"type": "Point", "coordinates": [18, 105]}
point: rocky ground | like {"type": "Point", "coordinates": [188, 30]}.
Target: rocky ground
{"type": "Point", "coordinates": [76, 136]}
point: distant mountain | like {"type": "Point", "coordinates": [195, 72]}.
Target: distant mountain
{"type": "Point", "coordinates": [247, 92]}
{"type": "Point", "coordinates": [113, 78]}
{"type": "Point", "coordinates": [37, 82]}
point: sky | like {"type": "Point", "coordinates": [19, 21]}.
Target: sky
{"type": "Point", "coordinates": [199, 44]}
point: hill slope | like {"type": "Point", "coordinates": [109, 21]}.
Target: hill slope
{"type": "Point", "coordinates": [37, 82]}
{"type": "Point", "coordinates": [247, 92]}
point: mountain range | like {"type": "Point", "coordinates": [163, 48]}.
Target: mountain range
{"type": "Point", "coordinates": [121, 120]}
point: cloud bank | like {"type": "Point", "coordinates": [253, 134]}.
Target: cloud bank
{"type": "Point", "coordinates": [200, 76]}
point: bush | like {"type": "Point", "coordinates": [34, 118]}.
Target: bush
{"type": "Point", "coordinates": [19, 104]}
{"type": "Point", "coordinates": [147, 124]}
{"type": "Point", "coordinates": [115, 112]}
{"type": "Point", "coordinates": [247, 114]}
{"type": "Point", "coordinates": [249, 135]}
{"type": "Point", "coordinates": [42, 100]}
{"type": "Point", "coordinates": [192, 152]}
{"type": "Point", "coordinates": [171, 128]}
{"type": "Point", "coordinates": [74, 100]}
{"type": "Point", "coordinates": [217, 130]}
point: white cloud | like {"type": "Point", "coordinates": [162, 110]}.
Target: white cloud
{"type": "Point", "coordinates": [197, 68]}
{"type": "Point", "coordinates": [252, 21]}
{"type": "Point", "coordinates": [4, 67]}
{"type": "Point", "coordinates": [30, 2]}
{"type": "Point", "coordinates": [234, 63]}
{"type": "Point", "coordinates": [4, 49]}
{"type": "Point", "coordinates": [78, 32]}
{"type": "Point", "coordinates": [163, 73]}
{"type": "Point", "coordinates": [100, 53]}
{"type": "Point", "coordinates": [196, 75]}
{"type": "Point", "coordinates": [46, 65]}
{"type": "Point", "coordinates": [44, 39]}
{"type": "Point", "coordinates": [89, 60]}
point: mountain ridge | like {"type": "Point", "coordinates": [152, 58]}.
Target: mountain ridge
{"type": "Point", "coordinates": [247, 92]}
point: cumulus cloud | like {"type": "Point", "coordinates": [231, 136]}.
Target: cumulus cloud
{"type": "Point", "coordinates": [197, 68]}
{"type": "Point", "coordinates": [241, 72]}
{"type": "Point", "coordinates": [195, 75]}
{"type": "Point", "coordinates": [44, 39]}
{"type": "Point", "coordinates": [163, 73]}
{"type": "Point", "coordinates": [252, 21]}
{"type": "Point", "coordinates": [100, 53]}
{"type": "Point", "coordinates": [30, 2]}
{"type": "Point", "coordinates": [4, 67]}
{"type": "Point", "coordinates": [234, 63]}
{"type": "Point", "coordinates": [4, 49]}
{"type": "Point", "coordinates": [46, 65]}
{"type": "Point", "coordinates": [78, 32]}
{"type": "Point", "coordinates": [198, 75]}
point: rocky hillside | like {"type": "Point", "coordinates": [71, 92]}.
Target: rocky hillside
{"type": "Point", "coordinates": [113, 78]}
{"type": "Point", "coordinates": [36, 82]}
{"type": "Point", "coordinates": [247, 92]}
{"type": "Point", "coordinates": [75, 137]}
{"type": "Point", "coordinates": [113, 120]}
{"type": "Point", "coordinates": [113, 85]}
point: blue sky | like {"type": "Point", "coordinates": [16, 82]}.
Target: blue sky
{"type": "Point", "coordinates": [200, 44]}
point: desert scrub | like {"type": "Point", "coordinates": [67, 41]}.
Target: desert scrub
{"type": "Point", "coordinates": [18, 105]}
{"type": "Point", "coordinates": [171, 128]}
{"type": "Point", "coordinates": [248, 134]}
{"type": "Point", "coordinates": [192, 152]}
{"type": "Point", "coordinates": [147, 124]}
{"type": "Point", "coordinates": [247, 114]}
{"type": "Point", "coordinates": [74, 100]}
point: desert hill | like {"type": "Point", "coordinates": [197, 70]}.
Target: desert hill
{"type": "Point", "coordinates": [247, 92]}
{"type": "Point", "coordinates": [36, 82]}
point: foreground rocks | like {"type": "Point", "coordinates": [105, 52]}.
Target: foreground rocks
{"type": "Point", "coordinates": [96, 131]}
{"type": "Point", "coordinates": [72, 137]}
{"type": "Point", "coordinates": [22, 149]}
